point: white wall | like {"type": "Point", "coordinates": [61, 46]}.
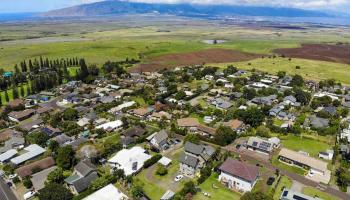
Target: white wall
{"type": "Point", "coordinates": [240, 184]}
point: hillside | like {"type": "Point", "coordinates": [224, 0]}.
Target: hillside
{"type": "Point", "coordinates": [111, 7]}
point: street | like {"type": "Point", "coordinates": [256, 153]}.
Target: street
{"type": "Point", "coordinates": [6, 192]}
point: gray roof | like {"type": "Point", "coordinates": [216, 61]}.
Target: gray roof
{"type": "Point", "coordinates": [7, 155]}
{"type": "Point", "coordinates": [204, 151]}
{"type": "Point", "coordinates": [33, 151]}
{"type": "Point", "coordinates": [189, 160]}
{"type": "Point", "coordinates": [29, 126]}
{"type": "Point", "coordinates": [161, 136]}
{"type": "Point", "coordinates": [169, 194]}
{"type": "Point", "coordinates": [9, 144]}
{"type": "Point", "coordinates": [330, 109]}
{"type": "Point", "coordinates": [85, 167]}
{"type": "Point", "coordinates": [290, 98]}
{"type": "Point", "coordinates": [63, 138]}
{"type": "Point", "coordinates": [84, 182]}
{"type": "Point", "coordinates": [39, 178]}
{"type": "Point", "coordinates": [318, 122]}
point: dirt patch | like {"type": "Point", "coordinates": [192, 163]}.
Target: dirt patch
{"type": "Point", "coordinates": [323, 52]}
{"type": "Point", "coordinates": [194, 58]}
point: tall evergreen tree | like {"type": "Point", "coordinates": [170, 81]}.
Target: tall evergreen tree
{"type": "Point", "coordinates": [28, 90]}
{"type": "Point", "coordinates": [31, 68]}
{"type": "Point", "coordinates": [84, 72]}
{"type": "Point", "coordinates": [15, 92]}
{"type": "Point", "coordinates": [22, 91]}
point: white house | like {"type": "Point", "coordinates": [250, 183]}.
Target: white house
{"type": "Point", "coordinates": [110, 125]}
{"type": "Point", "coordinates": [130, 160]}
{"type": "Point", "coordinates": [238, 176]}
{"type": "Point", "coordinates": [328, 155]}
{"type": "Point", "coordinates": [109, 192]}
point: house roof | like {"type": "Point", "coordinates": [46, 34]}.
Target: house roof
{"type": "Point", "coordinates": [189, 160]}
{"type": "Point", "coordinates": [40, 164]}
{"type": "Point", "coordinates": [84, 182]}
{"type": "Point", "coordinates": [260, 143]}
{"type": "Point", "coordinates": [7, 155]}
{"type": "Point", "coordinates": [239, 169]}
{"type": "Point", "coordinates": [38, 179]}
{"type": "Point", "coordinates": [14, 141]}
{"type": "Point", "coordinates": [109, 192]}
{"type": "Point", "coordinates": [7, 133]}
{"type": "Point", "coordinates": [234, 124]}
{"type": "Point", "coordinates": [206, 129]}
{"type": "Point", "coordinates": [21, 114]}
{"type": "Point", "coordinates": [63, 138]}
{"type": "Point", "coordinates": [188, 122]}
{"type": "Point", "coordinates": [143, 111]}
{"type": "Point", "coordinates": [85, 167]}
{"type": "Point", "coordinates": [135, 131]}
{"type": "Point", "coordinates": [161, 136]}
{"type": "Point", "coordinates": [15, 102]}
{"type": "Point", "coordinates": [29, 126]}
{"type": "Point", "coordinates": [306, 160]}
{"type": "Point", "coordinates": [169, 194]}
{"type": "Point", "coordinates": [193, 148]}
{"type": "Point", "coordinates": [32, 151]}
{"type": "Point", "coordinates": [318, 122]}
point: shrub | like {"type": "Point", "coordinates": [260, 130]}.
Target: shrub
{"type": "Point", "coordinates": [152, 160]}
{"type": "Point", "coordinates": [161, 170]}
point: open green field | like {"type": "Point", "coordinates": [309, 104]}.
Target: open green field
{"type": "Point", "coordinates": [284, 182]}
{"type": "Point", "coordinates": [310, 69]}
{"type": "Point", "coordinates": [297, 143]}
{"type": "Point", "coordinates": [221, 193]}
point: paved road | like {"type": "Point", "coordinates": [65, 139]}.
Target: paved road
{"type": "Point", "coordinates": [5, 192]}
{"type": "Point", "coordinates": [293, 176]}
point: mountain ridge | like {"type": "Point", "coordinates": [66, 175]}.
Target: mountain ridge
{"type": "Point", "coordinates": [125, 7]}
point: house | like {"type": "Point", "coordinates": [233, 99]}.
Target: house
{"type": "Point", "coordinates": [121, 107]}
{"type": "Point", "coordinates": [32, 151]}
{"type": "Point", "coordinates": [42, 164]}
{"type": "Point", "coordinates": [222, 104]}
{"type": "Point", "coordinates": [330, 110]}
{"type": "Point", "coordinates": [6, 156]}
{"type": "Point", "coordinates": [288, 194]}
{"type": "Point", "coordinates": [159, 139]}
{"type": "Point", "coordinates": [194, 158]}
{"type": "Point", "coordinates": [268, 100]}
{"type": "Point", "coordinates": [188, 123]}
{"type": "Point", "coordinates": [235, 125]}
{"type": "Point", "coordinates": [316, 122]}
{"type": "Point", "coordinates": [18, 116]}
{"type": "Point", "coordinates": [38, 179]}
{"type": "Point", "coordinates": [142, 112]}
{"type": "Point", "coordinates": [206, 130]}
{"type": "Point", "coordinates": [130, 160]}
{"type": "Point", "coordinates": [276, 110]}
{"type": "Point", "coordinates": [262, 145]}
{"type": "Point", "coordinates": [134, 132]}
{"type": "Point", "coordinates": [238, 176]}
{"type": "Point", "coordinates": [13, 143]}
{"type": "Point", "coordinates": [109, 192]}
{"type": "Point", "coordinates": [110, 126]}
{"type": "Point", "coordinates": [158, 116]}
{"type": "Point", "coordinates": [51, 131]}
{"type": "Point", "coordinates": [8, 133]}
{"type": "Point", "coordinates": [291, 100]}
{"type": "Point", "coordinates": [165, 161]}
{"type": "Point", "coordinates": [34, 124]}
{"type": "Point", "coordinates": [63, 139]}
{"type": "Point", "coordinates": [328, 155]}
{"type": "Point", "coordinates": [317, 168]}
{"type": "Point", "coordinates": [84, 173]}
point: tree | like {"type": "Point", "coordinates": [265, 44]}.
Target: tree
{"type": "Point", "coordinates": [70, 114]}
{"type": "Point", "coordinates": [192, 138]}
{"type": "Point", "coordinates": [137, 191]}
{"type": "Point", "coordinates": [161, 170]}
{"type": "Point", "coordinates": [56, 176]}
{"type": "Point", "coordinates": [255, 196]}
{"type": "Point", "coordinates": [253, 116]}
{"type": "Point", "coordinates": [281, 74]}
{"type": "Point", "coordinates": [15, 92]}
{"type": "Point", "coordinates": [224, 136]}
{"type": "Point", "coordinates": [7, 98]}
{"type": "Point", "coordinates": [27, 182]}
{"type": "Point", "coordinates": [53, 146]}
{"type": "Point", "coordinates": [297, 80]}
{"type": "Point", "coordinates": [263, 131]}
{"type": "Point", "coordinates": [22, 91]}
{"type": "Point", "coordinates": [65, 157]}
{"type": "Point", "coordinates": [54, 191]}
{"type": "Point", "coordinates": [189, 188]}
{"type": "Point", "coordinates": [301, 96]}
{"type": "Point", "coordinates": [37, 137]}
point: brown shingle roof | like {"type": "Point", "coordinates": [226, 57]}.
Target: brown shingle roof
{"type": "Point", "coordinates": [7, 133]}
{"type": "Point", "coordinates": [239, 169]}
{"type": "Point", "coordinates": [234, 124]}
{"type": "Point", "coordinates": [206, 129]}
{"type": "Point", "coordinates": [15, 102]}
{"type": "Point", "coordinates": [188, 122]}
{"type": "Point", "coordinates": [27, 170]}
{"type": "Point", "coordinates": [21, 114]}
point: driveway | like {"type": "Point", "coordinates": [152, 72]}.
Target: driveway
{"type": "Point", "coordinates": [6, 192]}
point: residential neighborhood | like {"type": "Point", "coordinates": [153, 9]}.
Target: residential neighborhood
{"type": "Point", "coordinates": [198, 132]}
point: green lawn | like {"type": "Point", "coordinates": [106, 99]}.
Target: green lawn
{"type": "Point", "coordinates": [151, 189]}
{"type": "Point", "coordinates": [139, 100]}
{"type": "Point", "coordinates": [297, 143]}
{"type": "Point", "coordinates": [310, 69]}
{"type": "Point", "coordinates": [285, 182]}
{"type": "Point", "coordinates": [222, 193]}
{"type": "Point", "coordinates": [10, 93]}
{"type": "Point", "coordinates": [317, 193]}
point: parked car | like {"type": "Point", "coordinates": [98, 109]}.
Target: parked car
{"type": "Point", "coordinates": [177, 141]}
{"type": "Point", "coordinates": [178, 178]}
{"type": "Point", "coordinates": [29, 195]}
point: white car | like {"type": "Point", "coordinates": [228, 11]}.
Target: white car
{"type": "Point", "coordinates": [29, 195]}
{"type": "Point", "coordinates": [178, 178]}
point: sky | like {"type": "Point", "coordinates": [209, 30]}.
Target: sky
{"type": "Point", "coordinates": [15, 6]}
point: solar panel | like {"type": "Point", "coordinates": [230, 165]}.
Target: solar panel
{"type": "Point", "coordinates": [255, 144]}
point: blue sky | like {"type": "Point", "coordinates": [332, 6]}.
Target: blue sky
{"type": "Point", "coordinates": [11, 6]}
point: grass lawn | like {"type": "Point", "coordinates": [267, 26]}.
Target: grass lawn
{"type": "Point", "coordinates": [222, 193]}
{"type": "Point", "coordinates": [317, 193]}
{"type": "Point", "coordinates": [277, 122]}
{"type": "Point", "coordinates": [10, 93]}
{"type": "Point", "coordinates": [297, 143]}
{"type": "Point", "coordinates": [151, 189]}
{"type": "Point", "coordinates": [139, 100]}
{"type": "Point", "coordinates": [284, 182]}
{"type": "Point", "coordinates": [310, 69]}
